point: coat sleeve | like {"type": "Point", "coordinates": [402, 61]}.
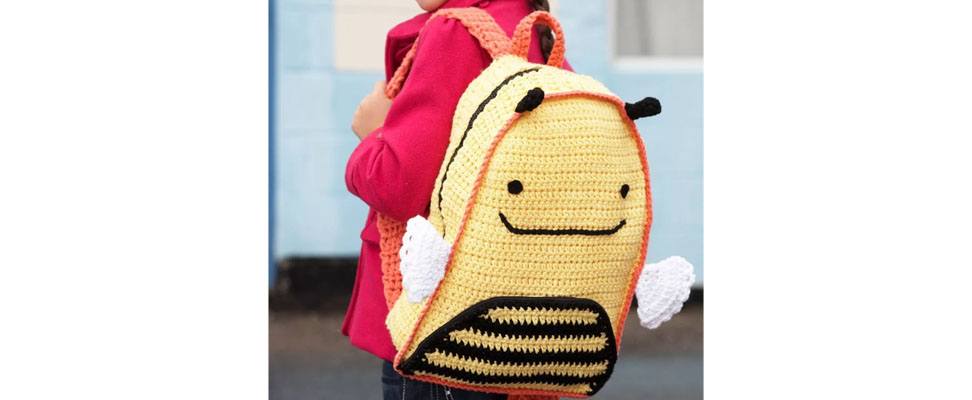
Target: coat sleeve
{"type": "Point", "coordinates": [393, 170]}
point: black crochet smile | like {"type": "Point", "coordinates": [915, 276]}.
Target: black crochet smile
{"type": "Point", "coordinates": [567, 231]}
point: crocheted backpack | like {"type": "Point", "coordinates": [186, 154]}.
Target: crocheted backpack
{"type": "Point", "coordinates": [520, 280]}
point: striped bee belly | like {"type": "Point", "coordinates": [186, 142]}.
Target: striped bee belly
{"type": "Point", "coordinates": [521, 344]}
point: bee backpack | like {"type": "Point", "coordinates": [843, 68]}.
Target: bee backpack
{"type": "Point", "coordinates": [520, 280]}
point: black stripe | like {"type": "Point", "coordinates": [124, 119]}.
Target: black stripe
{"type": "Point", "coordinates": [482, 106]}
{"type": "Point", "coordinates": [592, 336]}
{"type": "Point", "coordinates": [568, 231]}
{"type": "Point", "coordinates": [514, 356]}
{"type": "Point", "coordinates": [551, 302]}
{"type": "Point", "coordinates": [485, 325]}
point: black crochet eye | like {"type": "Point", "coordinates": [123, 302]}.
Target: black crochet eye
{"type": "Point", "coordinates": [624, 190]}
{"type": "Point", "coordinates": [514, 187]}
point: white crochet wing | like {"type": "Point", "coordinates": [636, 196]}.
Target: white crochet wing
{"type": "Point", "coordinates": [661, 290]}
{"type": "Point", "coordinates": [423, 259]}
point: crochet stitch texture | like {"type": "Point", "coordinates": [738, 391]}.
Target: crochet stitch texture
{"type": "Point", "coordinates": [541, 215]}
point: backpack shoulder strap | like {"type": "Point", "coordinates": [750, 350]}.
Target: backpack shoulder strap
{"type": "Point", "coordinates": [479, 23]}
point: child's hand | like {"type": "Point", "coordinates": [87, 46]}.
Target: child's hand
{"type": "Point", "coordinates": [371, 111]}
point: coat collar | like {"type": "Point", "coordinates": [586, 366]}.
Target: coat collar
{"type": "Point", "coordinates": [462, 3]}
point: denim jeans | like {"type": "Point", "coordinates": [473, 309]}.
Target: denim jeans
{"type": "Point", "coordinates": [397, 387]}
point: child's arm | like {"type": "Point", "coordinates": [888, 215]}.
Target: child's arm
{"type": "Point", "coordinates": [394, 168]}
{"type": "Point", "coordinates": [371, 112]}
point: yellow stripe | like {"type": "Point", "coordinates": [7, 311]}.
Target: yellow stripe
{"type": "Point", "coordinates": [534, 316]}
{"type": "Point", "coordinates": [534, 344]}
{"type": "Point", "coordinates": [474, 365]}
{"type": "Point", "coordinates": [580, 388]}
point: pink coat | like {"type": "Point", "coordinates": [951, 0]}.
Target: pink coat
{"type": "Point", "coordinates": [393, 170]}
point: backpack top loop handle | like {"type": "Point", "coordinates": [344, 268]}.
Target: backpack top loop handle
{"type": "Point", "coordinates": [524, 32]}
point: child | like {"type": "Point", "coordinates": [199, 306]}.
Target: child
{"type": "Point", "coordinates": [402, 146]}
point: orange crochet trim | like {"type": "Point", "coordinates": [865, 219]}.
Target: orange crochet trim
{"type": "Point", "coordinates": [391, 231]}
{"type": "Point", "coordinates": [524, 32]}
{"type": "Point", "coordinates": [395, 84]}
{"type": "Point", "coordinates": [483, 27]}
{"type": "Point", "coordinates": [479, 23]}
{"type": "Point", "coordinates": [492, 38]}
{"type": "Point", "coordinates": [632, 129]}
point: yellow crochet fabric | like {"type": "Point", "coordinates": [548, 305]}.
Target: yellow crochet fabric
{"type": "Point", "coordinates": [580, 167]}
{"type": "Point", "coordinates": [540, 316]}
{"type": "Point", "coordinates": [531, 344]}
{"type": "Point", "coordinates": [527, 369]}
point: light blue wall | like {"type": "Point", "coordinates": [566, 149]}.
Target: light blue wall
{"type": "Point", "coordinates": [315, 216]}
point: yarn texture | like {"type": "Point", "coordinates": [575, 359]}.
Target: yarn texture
{"type": "Point", "coordinates": [571, 154]}
{"type": "Point", "coordinates": [521, 278]}
{"type": "Point", "coordinates": [423, 258]}
{"type": "Point", "coordinates": [661, 290]}
{"type": "Point", "coordinates": [391, 232]}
